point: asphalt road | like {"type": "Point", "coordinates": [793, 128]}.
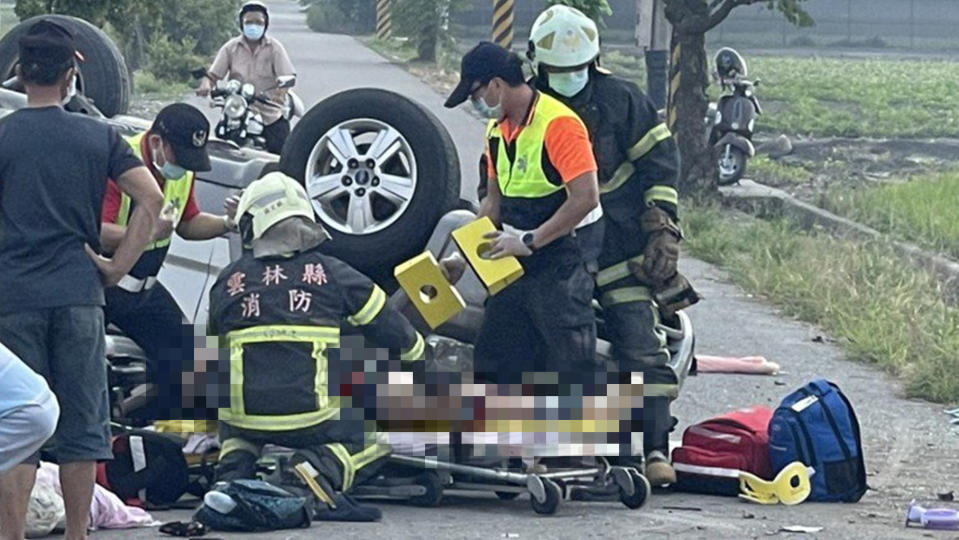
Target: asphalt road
{"type": "Point", "coordinates": [910, 450]}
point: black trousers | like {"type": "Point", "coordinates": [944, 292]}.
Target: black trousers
{"type": "Point", "coordinates": [544, 322]}
{"type": "Point", "coordinates": [276, 134]}
{"type": "Point", "coordinates": [154, 320]}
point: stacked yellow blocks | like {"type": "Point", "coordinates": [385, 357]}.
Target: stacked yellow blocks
{"type": "Point", "coordinates": [432, 294]}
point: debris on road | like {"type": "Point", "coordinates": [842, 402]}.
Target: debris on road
{"type": "Point", "coordinates": [800, 529]}
{"type": "Point", "coordinates": [943, 519]}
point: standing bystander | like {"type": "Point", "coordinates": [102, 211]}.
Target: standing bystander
{"type": "Point", "coordinates": [54, 167]}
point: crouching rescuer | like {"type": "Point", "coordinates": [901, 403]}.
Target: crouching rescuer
{"type": "Point", "coordinates": [278, 312]}
{"type": "Point", "coordinates": [638, 161]}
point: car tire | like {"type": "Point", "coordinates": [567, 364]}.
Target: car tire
{"type": "Point", "coordinates": [104, 77]}
{"type": "Point", "coordinates": [436, 186]}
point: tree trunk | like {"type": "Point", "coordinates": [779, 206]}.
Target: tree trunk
{"type": "Point", "coordinates": [429, 31]}
{"type": "Point", "coordinates": [697, 176]}
{"type": "Point", "coordinates": [426, 48]}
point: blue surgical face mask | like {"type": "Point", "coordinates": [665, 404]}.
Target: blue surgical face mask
{"type": "Point", "coordinates": [253, 32]}
{"type": "Point", "coordinates": [482, 107]}
{"type": "Point", "coordinates": [570, 83]}
{"type": "Point", "coordinates": [172, 172]}
{"type": "Point", "coordinates": [169, 170]}
{"type": "Point", "coordinates": [493, 113]}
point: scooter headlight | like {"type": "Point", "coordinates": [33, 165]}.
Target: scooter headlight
{"type": "Point", "coordinates": [234, 107]}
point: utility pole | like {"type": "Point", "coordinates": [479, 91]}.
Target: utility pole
{"type": "Point", "coordinates": [653, 34]}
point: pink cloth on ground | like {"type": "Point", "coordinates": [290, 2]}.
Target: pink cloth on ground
{"type": "Point", "coordinates": [107, 511]}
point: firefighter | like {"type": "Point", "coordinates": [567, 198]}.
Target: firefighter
{"type": "Point", "coordinates": [278, 311]}
{"type": "Point", "coordinates": [638, 167]}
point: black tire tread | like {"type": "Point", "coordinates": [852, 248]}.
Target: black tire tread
{"type": "Point", "coordinates": [105, 74]}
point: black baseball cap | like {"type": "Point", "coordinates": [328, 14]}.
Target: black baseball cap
{"type": "Point", "coordinates": [48, 43]}
{"type": "Point", "coordinates": [186, 129]}
{"type": "Point", "coordinates": [480, 65]}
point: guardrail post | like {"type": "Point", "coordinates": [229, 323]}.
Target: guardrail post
{"type": "Point", "coordinates": [503, 19]}
{"type": "Point", "coordinates": [384, 18]}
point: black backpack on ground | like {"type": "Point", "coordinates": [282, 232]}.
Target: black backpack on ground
{"type": "Point", "coordinates": [148, 466]}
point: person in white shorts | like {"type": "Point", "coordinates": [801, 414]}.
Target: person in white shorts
{"type": "Point", "coordinates": [28, 417]}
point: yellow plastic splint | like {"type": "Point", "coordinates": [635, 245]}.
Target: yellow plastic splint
{"type": "Point", "coordinates": [791, 486]}
{"type": "Point", "coordinates": [495, 274]}
{"type": "Point", "coordinates": [429, 291]}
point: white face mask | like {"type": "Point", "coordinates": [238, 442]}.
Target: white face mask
{"type": "Point", "coordinates": [71, 91]}
{"type": "Point", "coordinates": [569, 84]}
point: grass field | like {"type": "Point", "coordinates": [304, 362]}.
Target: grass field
{"type": "Point", "coordinates": [145, 84]}
{"type": "Point", "coordinates": [882, 310]}
{"type": "Point", "coordinates": [844, 96]}
{"type": "Point", "coordinates": [922, 210]}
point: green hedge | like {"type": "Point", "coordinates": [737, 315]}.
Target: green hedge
{"type": "Point", "coordinates": [168, 37]}
{"type": "Point", "coordinates": [341, 16]}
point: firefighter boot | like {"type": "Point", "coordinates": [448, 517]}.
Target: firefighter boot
{"type": "Point", "coordinates": [657, 423]}
{"type": "Point", "coordinates": [236, 465]}
{"type": "Point", "coordinates": [334, 478]}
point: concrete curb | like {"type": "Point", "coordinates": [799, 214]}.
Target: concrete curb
{"type": "Point", "coordinates": [766, 201]}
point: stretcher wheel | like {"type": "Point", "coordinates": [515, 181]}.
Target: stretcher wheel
{"type": "Point", "coordinates": [507, 495]}
{"type": "Point", "coordinates": [641, 491]}
{"type": "Point", "coordinates": [553, 496]}
{"type": "Point", "coordinates": [434, 490]}
{"type": "Point", "coordinates": [563, 488]}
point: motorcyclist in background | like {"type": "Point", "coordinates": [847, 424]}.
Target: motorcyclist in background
{"type": "Point", "coordinates": [258, 59]}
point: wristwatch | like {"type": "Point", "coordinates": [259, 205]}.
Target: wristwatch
{"type": "Point", "coordinates": [527, 239]}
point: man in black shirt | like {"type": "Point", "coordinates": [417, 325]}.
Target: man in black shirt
{"type": "Point", "coordinates": [54, 168]}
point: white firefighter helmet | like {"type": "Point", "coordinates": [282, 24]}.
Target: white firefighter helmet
{"type": "Point", "coordinates": [270, 200]}
{"type": "Point", "coordinates": [563, 37]}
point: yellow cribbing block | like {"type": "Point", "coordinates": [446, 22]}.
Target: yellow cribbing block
{"type": "Point", "coordinates": [186, 427]}
{"type": "Point", "coordinates": [495, 274]}
{"type": "Point", "coordinates": [427, 287]}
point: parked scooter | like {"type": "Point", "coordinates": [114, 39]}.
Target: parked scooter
{"type": "Point", "coordinates": [240, 122]}
{"type": "Point", "coordinates": [733, 117]}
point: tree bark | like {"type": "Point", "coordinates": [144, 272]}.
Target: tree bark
{"type": "Point", "coordinates": [426, 48]}
{"type": "Point", "coordinates": [697, 176]}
